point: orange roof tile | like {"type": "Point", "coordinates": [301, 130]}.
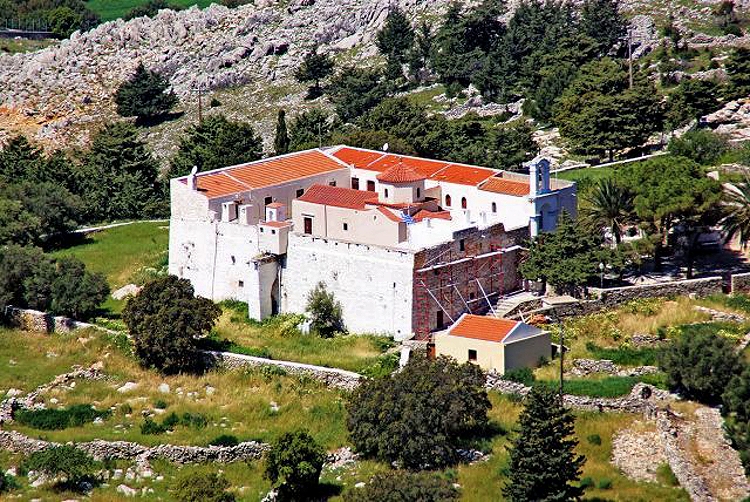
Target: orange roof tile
{"type": "Point", "coordinates": [508, 187]}
{"type": "Point", "coordinates": [274, 205]}
{"type": "Point", "coordinates": [401, 173]}
{"type": "Point", "coordinates": [265, 172]}
{"type": "Point", "coordinates": [276, 224]}
{"type": "Point", "coordinates": [479, 327]}
{"type": "Point", "coordinates": [423, 213]}
{"type": "Point", "coordinates": [390, 215]}
{"type": "Point", "coordinates": [438, 170]}
{"type": "Point", "coordinates": [337, 196]}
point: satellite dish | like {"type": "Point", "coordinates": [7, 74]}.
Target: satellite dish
{"type": "Point", "coordinates": [193, 171]}
{"type": "Point", "coordinates": [385, 147]}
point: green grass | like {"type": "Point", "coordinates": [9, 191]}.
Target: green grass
{"type": "Point", "coordinates": [113, 9]}
{"type": "Point", "coordinates": [609, 386]}
{"type": "Point", "coordinates": [13, 46]}
{"type": "Point", "coordinates": [625, 355]}
{"type": "Point", "coordinates": [120, 253]}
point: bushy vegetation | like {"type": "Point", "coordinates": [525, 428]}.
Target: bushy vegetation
{"type": "Point", "coordinates": [404, 486]}
{"type": "Point", "coordinates": [201, 487]}
{"type": "Point", "coordinates": [60, 17]}
{"type": "Point", "coordinates": [325, 312]}
{"type": "Point", "coordinates": [68, 462]}
{"type": "Point", "coordinates": [293, 465]}
{"type": "Point", "coordinates": [144, 95]}
{"type": "Point", "coordinates": [419, 416]}
{"type": "Point", "coordinates": [166, 321]}
{"type": "Point", "coordinates": [56, 419]}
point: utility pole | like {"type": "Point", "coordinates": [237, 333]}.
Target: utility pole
{"type": "Point", "coordinates": [200, 104]}
{"type": "Point", "coordinates": [562, 356]}
{"type": "Point", "coordinates": [630, 56]}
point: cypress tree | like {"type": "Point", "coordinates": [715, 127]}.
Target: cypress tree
{"type": "Point", "coordinates": [396, 38]}
{"type": "Point", "coordinates": [314, 68]}
{"type": "Point", "coordinates": [281, 141]}
{"type": "Point", "coordinates": [543, 465]}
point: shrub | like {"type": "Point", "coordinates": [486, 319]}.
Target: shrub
{"type": "Point", "coordinates": [520, 375]}
{"type": "Point", "coordinates": [171, 420]}
{"type": "Point", "coordinates": [665, 475]}
{"type": "Point", "coordinates": [149, 427]}
{"type": "Point", "coordinates": [51, 419]}
{"type": "Point", "coordinates": [201, 487]}
{"type": "Point", "coordinates": [419, 416]}
{"type": "Point", "coordinates": [144, 95]}
{"type": "Point", "coordinates": [586, 482]}
{"type": "Point", "coordinates": [700, 366]}
{"type": "Point", "coordinates": [126, 409]}
{"type": "Point", "coordinates": [604, 484]}
{"type": "Point", "coordinates": [594, 439]}
{"type": "Point", "coordinates": [160, 404]}
{"type": "Point", "coordinates": [165, 320]}
{"type": "Point", "coordinates": [399, 486]}
{"type": "Point", "coordinates": [294, 464]}
{"type": "Point", "coordinates": [704, 147]}
{"type": "Point", "coordinates": [385, 365]}
{"type": "Point", "coordinates": [74, 465]}
{"type": "Point", "coordinates": [193, 420]}
{"type": "Point", "coordinates": [224, 440]}
{"type": "Point", "coordinates": [325, 312]}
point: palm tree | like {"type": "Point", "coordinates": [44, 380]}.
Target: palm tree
{"type": "Point", "coordinates": [609, 205]}
{"type": "Point", "coordinates": [736, 204]}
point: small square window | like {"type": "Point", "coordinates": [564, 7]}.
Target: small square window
{"type": "Point", "coordinates": [462, 245]}
{"type": "Point", "coordinates": [273, 231]}
{"type": "Point", "coordinates": [472, 355]}
{"type": "Point", "coordinates": [268, 200]}
{"type": "Point", "coordinates": [332, 183]}
{"type": "Point", "coordinates": [241, 284]}
{"type": "Point", "coordinates": [261, 230]}
{"type": "Point", "coordinates": [346, 226]}
{"type": "Point", "coordinates": [300, 192]}
{"type": "Point", "coordinates": [355, 183]}
{"type": "Point", "coordinates": [233, 260]}
{"type": "Point", "coordinates": [386, 192]}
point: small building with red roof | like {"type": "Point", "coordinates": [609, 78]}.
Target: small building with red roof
{"type": "Point", "coordinates": [494, 343]}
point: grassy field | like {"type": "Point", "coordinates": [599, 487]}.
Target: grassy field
{"type": "Point", "coordinates": [113, 9]}
{"type": "Point", "coordinates": [13, 46]}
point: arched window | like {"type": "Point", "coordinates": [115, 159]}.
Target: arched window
{"type": "Point", "coordinates": [494, 207]}
{"type": "Point", "coordinates": [448, 201]}
{"type": "Point", "coordinates": [463, 202]}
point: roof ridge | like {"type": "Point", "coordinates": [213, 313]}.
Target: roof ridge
{"type": "Point", "coordinates": [238, 181]}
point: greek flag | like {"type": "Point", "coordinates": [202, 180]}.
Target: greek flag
{"type": "Point", "coordinates": [408, 219]}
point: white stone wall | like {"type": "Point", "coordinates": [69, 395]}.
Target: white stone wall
{"type": "Point", "coordinates": [374, 285]}
{"type": "Point", "coordinates": [262, 288]}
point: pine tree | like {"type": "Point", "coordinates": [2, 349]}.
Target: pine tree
{"type": "Point", "coordinates": [314, 68]}
{"type": "Point", "coordinates": [144, 95]}
{"type": "Point", "coordinates": [395, 40]}
{"type": "Point", "coordinates": [738, 69]}
{"type": "Point", "coordinates": [281, 141]}
{"type": "Point", "coordinates": [601, 20]}
{"type": "Point", "coordinates": [543, 463]}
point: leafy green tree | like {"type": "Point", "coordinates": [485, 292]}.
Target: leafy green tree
{"type": "Point", "coordinates": [294, 464]}
{"type": "Point", "coordinates": [553, 80]}
{"type": "Point", "coordinates": [567, 258]}
{"type": "Point", "coordinates": [119, 178]}
{"type": "Point", "coordinates": [76, 292]}
{"type": "Point", "coordinates": [374, 140]}
{"type": "Point", "coordinates": [672, 193]}
{"type": "Point", "coordinates": [310, 129]}
{"type": "Point", "coordinates": [602, 21]}
{"type": "Point", "coordinates": [325, 312]}
{"type": "Point", "coordinates": [166, 321]}
{"type": "Point", "coordinates": [150, 9]}
{"type": "Point", "coordinates": [355, 90]}
{"type": "Point", "coordinates": [74, 465]}
{"type": "Point", "coordinates": [421, 52]}
{"type": "Point", "coordinates": [736, 409]}
{"type": "Point", "coordinates": [454, 56]}
{"type": "Point", "coordinates": [736, 208]}
{"type": "Point", "coordinates": [395, 40]}
{"type": "Point", "coordinates": [144, 95]}
{"type": "Point", "coordinates": [18, 265]}
{"type": "Point", "coordinates": [18, 160]}
{"type": "Point", "coordinates": [609, 206]}
{"type": "Point", "coordinates": [17, 224]}
{"type": "Point", "coordinates": [314, 68]}
{"type": "Point", "coordinates": [543, 462]}
{"type": "Point", "coordinates": [511, 145]}
{"type": "Point", "coordinates": [700, 366]}
{"type": "Point", "coordinates": [701, 146]}
{"type": "Point", "coordinates": [281, 140]}
{"type": "Point", "coordinates": [201, 487]}
{"type": "Point", "coordinates": [418, 416]}
{"type": "Point", "coordinates": [404, 486]}
{"type": "Point", "coordinates": [56, 209]}
{"type": "Point", "coordinates": [216, 142]}
{"type": "Point", "coordinates": [691, 100]}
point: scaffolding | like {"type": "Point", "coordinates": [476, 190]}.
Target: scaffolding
{"type": "Point", "coordinates": [456, 283]}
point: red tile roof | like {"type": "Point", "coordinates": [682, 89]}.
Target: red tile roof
{"type": "Point", "coordinates": [276, 224]}
{"type": "Point", "coordinates": [265, 172]}
{"type": "Point", "coordinates": [390, 215]}
{"type": "Point", "coordinates": [338, 196]}
{"type": "Point", "coordinates": [508, 187]}
{"type": "Point", "coordinates": [423, 213]}
{"type": "Point", "coordinates": [437, 170]}
{"type": "Point", "coordinates": [401, 173]}
{"type": "Point", "coordinates": [480, 327]}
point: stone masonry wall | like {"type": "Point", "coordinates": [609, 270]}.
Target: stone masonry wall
{"type": "Point", "coordinates": [740, 283]}
{"type": "Point", "coordinates": [42, 322]}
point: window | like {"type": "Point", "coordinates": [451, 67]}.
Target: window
{"type": "Point", "coordinates": [308, 225]}
{"type": "Point", "coordinates": [261, 230]}
{"type": "Point", "coordinates": [273, 231]}
{"type": "Point", "coordinates": [386, 193]}
{"type": "Point", "coordinates": [463, 203]}
{"type": "Point", "coordinates": [462, 245]}
{"type": "Point", "coordinates": [472, 295]}
{"type": "Point", "coordinates": [494, 207]}
{"type": "Point", "coordinates": [268, 200]}
{"type": "Point", "coordinates": [300, 192]}
{"type": "Point", "coordinates": [346, 226]}
{"type": "Point", "coordinates": [370, 186]}
{"type": "Point", "coordinates": [233, 260]}
{"type": "Point", "coordinates": [355, 183]}
{"type": "Point", "coordinates": [241, 284]}
{"type": "Point", "coordinates": [332, 183]}
{"type": "Point", "coordinates": [448, 201]}
{"type": "Point", "coordinates": [419, 193]}
{"type": "Point", "coordinates": [472, 355]}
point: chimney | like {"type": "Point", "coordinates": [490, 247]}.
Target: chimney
{"type": "Point", "coordinates": [192, 180]}
{"type": "Point", "coordinates": [276, 211]}
{"type": "Point", "coordinates": [533, 179]}
{"type": "Point", "coordinates": [543, 167]}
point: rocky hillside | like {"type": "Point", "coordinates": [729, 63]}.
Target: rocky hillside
{"type": "Point", "coordinates": [57, 95]}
